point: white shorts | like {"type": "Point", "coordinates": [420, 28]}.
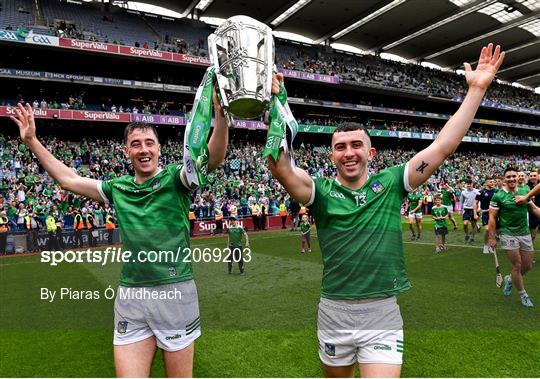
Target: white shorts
{"type": "Point", "coordinates": [523, 243]}
{"type": "Point", "coordinates": [450, 208]}
{"type": "Point", "coordinates": [415, 215]}
{"type": "Point", "coordinates": [174, 320]}
{"type": "Point", "coordinates": [363, 333]}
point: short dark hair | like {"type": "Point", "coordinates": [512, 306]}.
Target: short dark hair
{"type": "Point", "coordinates": [488, 178]}
{"type": "Point", "coordinates": [508, 169]}
{"type": "Point", "coordinates": [468, 181]}
{"type": "Point", "coordinates": [130, 128]}
{"type": "Point", "coordinates": [351, 127]}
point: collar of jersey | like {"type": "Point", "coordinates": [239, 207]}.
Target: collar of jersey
{"type": "Point", "coordinates": [148, 180]}
{"type": "Point", "coordinates": [350, 189]}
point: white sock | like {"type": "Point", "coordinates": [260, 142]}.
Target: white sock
{"type": "Point", "coordinates": [522, 293]}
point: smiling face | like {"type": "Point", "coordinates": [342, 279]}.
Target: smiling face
{"type": "Point", "coordinates": [533, 177]}
{"type": "Point", "coordinates": [351, 153]}
{"type": "Point", "coordinates": [510, 179]}
{"type": "Point", "coordinates": [143, 149]}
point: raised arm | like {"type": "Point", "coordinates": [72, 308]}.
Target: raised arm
{"type": "Point", "coordinates": [424, 164]}
{"type": "Point", "coordinates": [217, 145]}
{"type": "Point", "coordinates": [524, 199]}
{"type": "Point", "coordinates": [65, 176]}
{"type": "Point", "coordinates": [534, 209]}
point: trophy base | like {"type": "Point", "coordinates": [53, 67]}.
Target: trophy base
{"type": "Point", "coordinates": [246, 108]}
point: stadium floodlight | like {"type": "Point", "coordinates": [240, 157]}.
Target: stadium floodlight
{"type": "Point", "coordinates": [532, 27]}
{"type": "Point", "coordinates": [368, 18]}
{"type": "Point", "coordinates": [436, 25]}
{"type": "Point", "coordinates": [203, 4]}
{"type": "Point", "coordinates": [289, 12]}
{"type": "Point", "coordinates": [531, 4]}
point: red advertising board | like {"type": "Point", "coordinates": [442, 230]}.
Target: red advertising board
{"type": "Point", "coordinates": [208, 227]}
{"type": "Point", "coordinates": [145, 53]}
{"type": "Point", "coordinates": [101, 116]}
{"type": "Point", "coordinates": [203, 61]}
{"type": "Point", "coordinates": [38, 113]}
{"type": "Point", "coordinates": [67, 114]}
{"type": "Point", "coordinates": [89, 45]}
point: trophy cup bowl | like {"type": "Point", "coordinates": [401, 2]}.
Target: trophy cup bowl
{"type": "Point", "coordinates": [242, 51]}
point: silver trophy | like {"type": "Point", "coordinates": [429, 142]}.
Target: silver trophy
{"type": "Point", "coordinates": [242, 51]}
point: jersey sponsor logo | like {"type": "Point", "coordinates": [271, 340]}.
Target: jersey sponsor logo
{"type": "Point", "coordinates": [330, 349]}
{"type": "Point", "coordinates": [377, 187]}
{"type": "Point", "coordinates": [382, 347]}
{"type": "Point", "coordinates": [122, 327]}
{"type": "Point", "coordinates": [156, 185]}
{"type": "Point", "coordinates": [337, 195]}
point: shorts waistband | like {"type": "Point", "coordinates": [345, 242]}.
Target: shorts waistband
{"type": "Point", "coordinates": [373, 306]}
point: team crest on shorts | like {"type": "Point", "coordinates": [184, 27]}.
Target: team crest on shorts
{"type": "Point", "coordinates": [330, 349]}
{"type": "Point", "coordinates": [172, 271]}
{"type": "Point", "coordinates": [122, 327]}
{"type": "Point", "coordinates": [377, 187]}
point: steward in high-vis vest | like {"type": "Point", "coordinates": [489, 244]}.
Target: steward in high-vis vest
{"type": "Point", "coordinates": [32, 227]}
{"type": "Point", "coordinates": [90, 225]}
{"type": "Point", "coordinates": [218, 216]}
{"type": "Point", "coordinates": [192, 218]}
{"type": "Point", "coordinates": [110, 226]}
{"type": "Point", "coordinates": [255, 216]}
{"type": "Point", "coordinates": [78, 226]}
{"type": "Point", "coordinates": [283, 215]}
{"type": "Point", "coordinates": [4, 227]}
{"type": "Point", "coordinates": [52, 243]}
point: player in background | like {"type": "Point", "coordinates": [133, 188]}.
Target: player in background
{"type": "Point", "coordinates": [360, 234]}
{"type": "Point", "coordinates": [467, 199]}
{"type": "Point", "coordinates": [234, 242]}
{"type": "Point", "coordinates": [440, 215]}
{"type": "Point", "coordinates": [448, 197]}
{"type": "Point", "coordinates": [534, 222]}
{"type": "Point", "coordinates": [152, 211]}
{"type": "Point", "coordinates": [305, 232]}
{"type": "Point", "coordinates": [483, 199]}
{"type": "Point", "coordinates": [513, 232]}
{"type": "Point", "coordinates": [413, 203]}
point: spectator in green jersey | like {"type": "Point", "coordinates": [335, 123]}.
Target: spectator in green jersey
{"type": "Point", "coordinates": [440, 215]}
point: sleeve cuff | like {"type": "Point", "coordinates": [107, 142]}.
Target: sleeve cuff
{"type": "Point", "coordinates": [406, 184]}
{"type": "Point", "coordinates": [312, 197]}
{"type": "Point", "coordinates": [99, 187]}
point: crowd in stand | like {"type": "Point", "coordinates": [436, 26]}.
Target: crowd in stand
{"type": "Point", "coordinates": [244, 180]}
{"type": "Point", "coordinates": [386, 73]}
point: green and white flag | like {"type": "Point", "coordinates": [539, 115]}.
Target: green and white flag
{"type": "Point", "coordinates": [196, 152]}
{"type": "Point", "coordinates": [283, 127]}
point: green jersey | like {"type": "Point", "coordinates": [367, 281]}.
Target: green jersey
{"type": "Point", "coordinates": [360, 236]}
{"type": "Point", "coordinates": [440, 212]}
{"type": "Point", "coordinates": [304, 227]}
{"type": "Point", "coordinates": [447, 196]}
{"type": "Point", "coordinates": [414, 198]}
{"type": "Point", "coordinates": [513, 220]}
{"type": "Point", "coordinates": [153, 218]}
{"type": "Point", "coordinates": [235, 236]}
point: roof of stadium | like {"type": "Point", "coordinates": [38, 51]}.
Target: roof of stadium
{"type": "Point", "coordinates": [443, 32]}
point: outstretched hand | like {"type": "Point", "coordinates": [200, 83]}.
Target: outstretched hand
{"type": "Point", "coordinates": [488, 65]}
{"type": "Point", "coordinates": [277, 79]}
{"type": "Point", "coordinates": [520, 200]}
{"type": "Point", "coordinates": [25, 122]}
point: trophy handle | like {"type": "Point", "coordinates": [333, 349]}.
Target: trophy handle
{"type": "Point", "coordinates": [269, 43]}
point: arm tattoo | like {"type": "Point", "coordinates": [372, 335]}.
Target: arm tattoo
{"type": "Point", "coordinates": [422, 167]}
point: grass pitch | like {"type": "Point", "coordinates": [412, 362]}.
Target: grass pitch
{"type": "Point", "coordinates": [457, 323]}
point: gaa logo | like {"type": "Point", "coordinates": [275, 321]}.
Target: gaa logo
{"type": "Point", "coordinates": [337, 195]}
